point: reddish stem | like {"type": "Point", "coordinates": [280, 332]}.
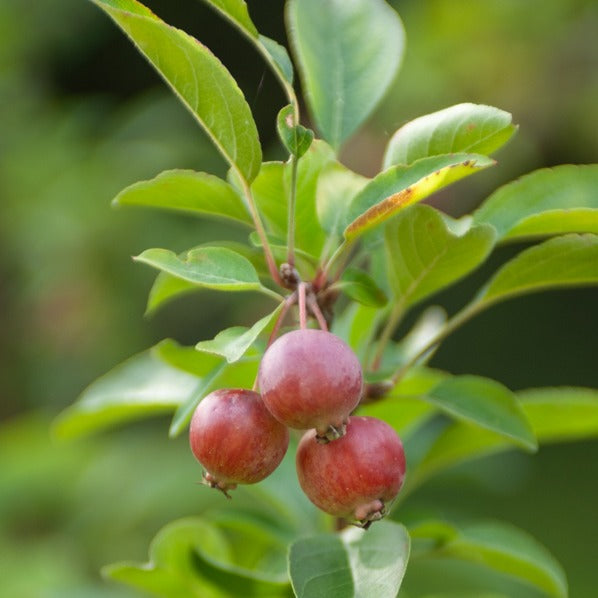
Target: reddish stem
{"type": "Point", "coordinates": [315, 309]}
{"type": "Point", "coordinates": [288, 302]}
{"type": "Point", "coordinates": [302, 309]}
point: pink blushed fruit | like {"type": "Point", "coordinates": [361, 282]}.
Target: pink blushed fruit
{"type": "Point", "coordinates": [357, 476]}
{"type": "Point", "coordinates": [311, 379]}
{"type": "Point", "coordinates": [236, 439]}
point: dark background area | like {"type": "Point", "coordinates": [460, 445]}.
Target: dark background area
{"type": "Point", "coordinates": [82, 115]}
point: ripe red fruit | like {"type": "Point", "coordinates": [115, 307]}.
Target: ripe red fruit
{"type": "Point", "coordinates": [357, 476]}
{"type": "Point", "coordinates": [311, 379]}
{"type": "Point", "coordinates": [236, 439]}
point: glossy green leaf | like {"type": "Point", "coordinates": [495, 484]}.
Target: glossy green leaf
{"type": "Point", "coordinates": [401, 186]}
{"type": "Point", "coordinates": [354, 564]}
{"type": "Point", "coordinates": [199, 80]}
{"type": "Point", "coordinates": [357, 326]}
{"type": "Point", "coordinates": [167, 287]}
{"type": "Point", "coordinates": [188, 191]}
{"type": "Point", "coordinates": [348, 54]}
{"type": "Point", "coordinates": [232, 343]}
{"type": "Point", "coordinates": [555, 414]}
{"type": "Point", "coordinates": [359, 286]}
{"type": "Point", "coordinates": [485, 403]}
{"type": "Point", "coordinates": [142, 386]}
{"type": "Point", "coordinates": [511, 551]}
{"type": "Point", "coordinates": [472, 128]}
{"type": "Point", "coordinates": [337, 186]}
{"type": "Point", "coordinates": [210, 267]}
{"type": "Point", "coordinates": [550, 201]}
{"type": "Point", "coordinates": [425, 256]}
{"type": "Point", "coordinates": [571, 260]}
{"type": "Point", "coordinates": [295, 138]}
{"type": "Point", "coordinates": [192, 557]}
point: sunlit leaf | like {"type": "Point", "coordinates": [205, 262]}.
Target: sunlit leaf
{"type": "Point", "coordinates": [188, 191]}
{"type": "Point", "coordinates": [550, 201]}
{"type": "Point", "coordinates": [199, 80]}
{"type": "Point", "coordinates": [354, 564]}
{"type": "Point", "coordinates": [232, 343]}
{"type": "Point", "coordinates": [472, 128]}
{"type": "Point", "coordinates": [485, 403]}
{"type": "Point", "coordinates": [401, 186]}
{"type": "Point", "coordinates": [348, 54]}
{"type": "Point", "coordinates": [424, 255]}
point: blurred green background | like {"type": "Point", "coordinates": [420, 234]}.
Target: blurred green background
{"type": "Point", "coordinates": [82, 115]}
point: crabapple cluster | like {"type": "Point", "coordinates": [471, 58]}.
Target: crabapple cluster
{"type": "Point", "coordinates": [348, 466]}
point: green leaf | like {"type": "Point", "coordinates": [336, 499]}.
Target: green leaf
{"type": "Point", "coordinates": [472, 128]}
{"type": "Point", "coordinates": [550, 201]}
{"type": "Point", "coordinates": [232, 343]}
{"type": "Point", "coordinates": [485, 403]}
{"type": "Point", "coordinates": [199, 80]}
{"type": "Point", "coordinates": [348, 54]}
{"type": "Point", "coordinates": [191, 557]}
{"type": "Point", "coordinates": [357, 326]}
{"type": "Point", "coordinates": [167, 287]}
{"type": "Point", "coordinates": [358, 285]}
{"type": "Point", "coordinates": [571, 260]}
{"type": "Point", "coordinates": [188, 191]}
{"type": "Point", "coordinates": [236, 12]}
{"type": "Point", "coordinates": [270, 196]}
{"type": "Point", "coordinates": [555, 414]}
{"type": "Point", "coordinates": [185, 358]}
{"type": "Point", "coordinates": [280, 61]}
{"type": "Point", "coordinates": [337, 186]}
{"type": "Point", "coordinates": [142, 386]}
{"type": "Point", "coordinates": [209, 267]}
{"type": "Point", "coordinates": [425, 256]}
{"type": "Point", "coordinates": [354, 564]}
{"type": "Point", "coordinates": [509, 550]}
{"type": "Point", "coordinates": [401, 186]}
{"type": "Point", "coordinates": [295, 138]}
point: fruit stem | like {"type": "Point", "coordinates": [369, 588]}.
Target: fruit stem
{"type": "Point", "coordinates": [291, 212]}
{"type": "Point", "coordinates": [315, 309]}
{"type": "Point", "coordinates": [302, 309]}
{"type": "Point", "coordinates": [259, 227]}
{"type": "Point", "coordinates": [288, 302]}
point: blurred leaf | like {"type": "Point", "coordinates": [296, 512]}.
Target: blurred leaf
{"type": "Point", "coordinates": [185, 358]}
{"type": "Point", "coordinates": [348, 54]}
{"type": "Point", "coordinates": [400, 186]}
{"type": "Point", "coordinates": [191, 557]}
{"type": "Point", "coordinates": [188, 191]}
{"type": "Point", "coordinates": [295, 138]}
{"type": "Point", "coordinates": [354, 564]}
{"type": "Point", "coordinates": [198, 79]}
{"type": "Point", "coordinates": [472, 128]}
{"type": "Point", "coordinates": [232, 343]}
{"type": "Point", "coordinates": [511, 551]}
{"type": "Point", "coordinates": [425, 256]}
{"type": "Point", "coordinates": [555, 414]}
{"type": "Point", "coordinates": [485, 403]}
{"type": "Point", "coordinates": [571, 260]}
{"type": "Point", "coordinates": [210, 267]}
{"type": "Point", "coordinates": [357, 326]}
{"type": "Point", "coordinates": [550, 201]}
{"type": "Point", "coordinates": [143, 385]}
{"type": "Point", "coordinates": [167, 287]}
{"type": "Point", "coordinates": [359, 286]}
{"type": "Point", "coordinates": [270, 196]}
{"type": "Point", "coordinates": [337, 186]}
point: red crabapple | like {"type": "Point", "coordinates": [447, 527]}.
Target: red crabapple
{"type": "Point", "coordinates": [311, 379]}
{"type": "Point", "coordinates": [357, 476]}
{"type": "Point", "coordinates": [236, 439]}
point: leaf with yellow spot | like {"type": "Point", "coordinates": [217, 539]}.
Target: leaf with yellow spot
{"type": "Point", "coordinates": [402, 186]}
